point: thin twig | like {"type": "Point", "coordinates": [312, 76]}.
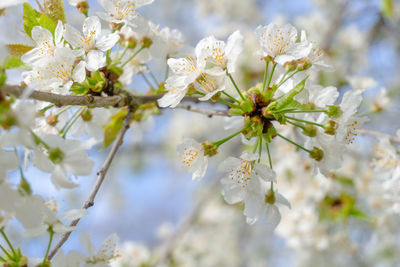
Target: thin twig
{"type": "Point", "coordinates": [100, 178]}
{"type": "Point", "coordinates": [337, 21]}
{"type": "Point", "coordinates": [207, 112]}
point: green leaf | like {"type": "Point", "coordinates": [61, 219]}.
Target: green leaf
{"type": "Point", "coordinates": [54, 9]}
{"type": "Point", "coordinates": [34, 18]}
{"type": "Point", "coordinates": [387, 8]}
{"type": "Point", "coordinates": [112, 129]}
{"type": "Point", "coordinates": [13, 62]}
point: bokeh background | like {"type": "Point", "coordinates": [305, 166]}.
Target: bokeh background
{"type": "Point", "coordinates": [148, 199]}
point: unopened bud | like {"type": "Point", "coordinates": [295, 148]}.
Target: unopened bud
{"type": "Point", "coordinates": [270, 197]}
{"type": "Point", "coordinates": [87, 115]}
{"type": "Point", "coordinates": [334, 111]}
{"type": "Point", "coordinates": [330, 127]}
{"type": "Point", "coordinates": [210, 149]}
{"type": "Point", "coordinates": [146, 42]}
{"type": "Point", "coordinates": [52, 120]}
{"type": "Point", "coordinates": [310, 130]}
{"type": "Point", "coordinates": [83, 7]}
{"type": "Point", "coordinates": [317, 154]}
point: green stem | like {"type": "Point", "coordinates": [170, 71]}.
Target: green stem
{"type": "Point", "coordinates": [39, 140]}
{"type": "Point", "coordinates": [272, 73]}
{"type": "Point", "coordinates": [72, 121]}
{"type": "Point", "coordinates": [269, 155]}
{"type": "Point", "coordinates": [147, 80]}
{"type": "Point", "coordinates": [287, 78]}
{"type": "Point", "coordinates": [256, 145]}
{"type": "Point", "coordinates": [8, 242]}
{"type": "Point", "coordinates": [220, 142]}
{"type": "Point", "coordinates": [234, 84]}
{"type": "Point", "coordinates": [132, 57]}
{"type": "Point", "coordinates": [48, 247]}
{"type": "Point", "coordinates": [62, 111]}
{"type": "Point", "coordinates": [231, 97]}
{"type": "Point", "coordinates": [308, 111]}
{"type": "Point", "coordinates": [308, 122]}
{"type": "Point", "coordinates": [47, 108]}
{"type": "Point", "coordinates": [152, 75]}
{"type": "Point", "coordinates": [228, 103]}
{"type": "Point", "coordinates": [259, 149]}
{"type": "Point", "coordinates": [297, 125]}
{"type": "Point", "coordinates": [124, 52]}
{"type": "Point", "coordinates": [294, 143]}
{"type": "Point", "coordinates": [2, 259]}
{"type": "Point", "coordinates": [265, 74]}
{"type": "Point", "coordinates": [5, 252]}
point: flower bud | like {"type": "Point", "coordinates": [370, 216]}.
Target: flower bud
{"type": "Point", "coordinates": [270, 197]}
{"type": "Point", "coordinates": [317, 154]}
{"type": "Point", "coordinates": [210, 149]}
{"type": "Point", "coordinates": [330, 127]}
{"type": "Point", "coordinates": [52, 120]}
{"type": "Point", "coordinates": [146, 42]}
{"type": "Point", "coordinates": [334, 111]}
{"type": "Point", "coordinates": [310, 130]}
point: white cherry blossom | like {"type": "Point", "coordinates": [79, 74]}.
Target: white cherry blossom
{"type": "Point", "coordinates": [220, 56]}
{"type": "Point", "coordinates": [91, 39]}
{"type": "Point", "coordinates": [45, 44]}
{"type": "Point", "coordinates": [280, 43]}
{"type": "Point", "coordinates": [56, 74]}
{"type": "Point", "coordinates": [121, 11]}
{"type": "Point", "coordinates": [244, 177]}
{"type": "Point", "coordinates": [193, 158]}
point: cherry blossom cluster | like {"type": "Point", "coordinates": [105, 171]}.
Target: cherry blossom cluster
{"type": "Point", "coordinates": [103, 61]}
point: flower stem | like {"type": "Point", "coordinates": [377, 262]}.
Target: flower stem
{"type": "Point", "coordinates": [234, 84]}
{"type": "Point", "coordinates": [152, 75]}
{"type": "Point", "coordinates": [231, 97]}
{"type": "Point", "coordinates": [48, 247]}
{"type": "Point", "coordinates": [256, 144]}
{"type": "Point", "coordinates": [2, 259]}
{"type": "Point", "coordinates": [39, 140]}
{"type": "Point", "coordinates": [124, 52]}
{"type": "Point", "coordinates": [308, 122]}
{"type": "Point", "coordinates": [147, 80]}
{"type": "Point", "coordinates": [8, 242]}
{"type": "Point", "coordinates": [132, 57]}
{"type": "Point", "coordinates": [220, 142]}
{"type": "Point", "coordinates": [287, 78]}
{"type": "Point", "coordinates": [294, 143]}
{"type": "Point", "coordinates": [308, 111]}
{"type": "Point", "coordinates": [272, 73]}
{"type": "Point", "coordinates": [297, 125]}
{"type": "Point", "coordinates": [269, 155]}
{"type": "Point", "coordinates": [71, 122]}
{"type": "Point", "coordinates": [260, 149]}
{"type": "Point", "coordinates": [265, 74]}
{"type": "Point", "coordinates": [5, 252]}
{"type": "Point", "coordinates": [228, 103]}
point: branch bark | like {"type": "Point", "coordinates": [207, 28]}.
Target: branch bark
{"type": "Point", "coordinates": [207, 112]}
{"type": "Point", "coordinates": [122, 100]}
{"type": "Point", "coordinates": [101, 174]}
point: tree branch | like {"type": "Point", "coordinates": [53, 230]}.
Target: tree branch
{"type": "Point", "coordinates": [207, 112]}
{"type": "Point", "coordinates": [122, 100]}
{"type": "Point", "coordinates": [100, 178]}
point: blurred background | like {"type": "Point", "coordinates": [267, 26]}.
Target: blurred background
{"type": "Point", "coordinates": [155, 207]}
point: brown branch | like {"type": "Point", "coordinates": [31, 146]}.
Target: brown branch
{"type": "Point", "coordinates": [122, 100]}
{"type": "Point", "coordinates": [207, 112]}
{"type": "Point", "coordinates": [377, 135]}
{"type": "Point", "coordinates": [100, 178]}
